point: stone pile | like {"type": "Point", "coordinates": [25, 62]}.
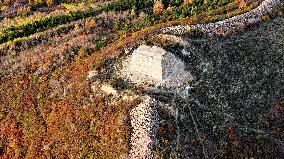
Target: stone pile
{"type": "Point", "coordinates": [143, 121]}
{"type": "Point", "coordinates": [154, 65]}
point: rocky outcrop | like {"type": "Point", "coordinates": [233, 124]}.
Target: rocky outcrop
{"type": "Point", "coordinates": [231, 25]}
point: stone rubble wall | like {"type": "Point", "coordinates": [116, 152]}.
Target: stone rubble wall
{"type": "Point", "coordinates": [143, 119]}
{"type": "Point", "coordinates": [231, 25]}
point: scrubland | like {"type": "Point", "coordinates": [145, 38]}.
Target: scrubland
{"type": "Point", "coordinates": [47, 48]}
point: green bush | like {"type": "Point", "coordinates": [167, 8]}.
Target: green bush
{"type": "Point", "coordinates": [34, 6]}
{"type": "Point", "coordinates": [194, 32]}
{"type": "Point", "coordinates": [120, 84]}
{"type": "Point", "coordinates": [99, 44]}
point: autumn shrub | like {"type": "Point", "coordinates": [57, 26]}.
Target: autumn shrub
{"type": "Point", "coordinates": [123, 5]}
{"type": "Point", "coordinates": [3, 8]}
{"type": "Point", "coordinates": [15, 31]}
{"type": "Point", "coordinates": [90, 23]}
{"type": "Point", "coordinates": [158, 7]}
{"type": "Point", "coordinates": [82, 53]}
{"type": "Point", "coordinates": [50, 2]}
{"type": "Point", "coordinates": [116, 6]}
{"type": "Point", "coordinates": [242, 4]}
{"type": "Point", "coordinates": [23, 43]}
{"type": "Point", "coordinates": [6, 2]}
{"type": "Point", "coordinates": [27, 29]}
{"type": "Point", "coordinates": [265, 17]}
{"type": "Point", "coordinates": [133, 13]}
{"type": "Point", "coordinates": [187, 2]}
{"type": "Point", "coordinates": [23, 10]}
{"type": "Point", "coordinates": [38, 126]}
{"type": "Point", "coordinates": [37, 4]}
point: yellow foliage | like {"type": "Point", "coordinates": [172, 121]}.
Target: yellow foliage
{"type": "Point", "coordinates": [37, 1]}
{"type": "Point", "coordinates": [23, 10]}
{"type": "Point", "coordinates": [170, 9]}
{"type": "Point", "coordinates": [158, 7]}
{"type": "Point", "coordinates": [133, 13]}
{"type": "Point", "coordinates": [49, 2]}
{"type": "Point", "coordinates": [242, 4]}
{"type": "Point", "coordinates": [90, 23]}
{"type": "Point", "coordinates": [265, 18]}
{"type": "Point", "coordinates": [4, 8]}
{"type": "Point", "coordinates": [6, 2]}
{"type": "Point", "coordinates": [82, 53]}
{"type": "Point", "coordinates": [186, 2]}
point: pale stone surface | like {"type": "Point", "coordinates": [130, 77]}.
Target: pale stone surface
{"type": "Point", "coordinates": [143, 122]}
{"type": "Point", "coordinates": [153, 65]}
{"type": "Point", "coordinates": [108, 89]}
{"type": "Point", "coordinates": [92, 74]}
{"type": "Point", "coordinates": [146, 61]}
{"type": "Point", "coordinates": [173, 71]}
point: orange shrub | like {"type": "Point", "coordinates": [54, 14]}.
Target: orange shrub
{"type": "Point", "coordinates": [186, 2]}
{"type": "Point", "coordinates": [158, 7]}
{"type": "Point", "coordinates": [49, 2]}
{"type": "Point", "coordinates": [23, 10]}
{"type": "Point", "coordinates": [242, 4]}
{"type": "Point", "coordinates": [133, 13]}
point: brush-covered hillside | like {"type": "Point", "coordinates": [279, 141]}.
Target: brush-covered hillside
{"type": "Point", "coordinates": [61, 95]}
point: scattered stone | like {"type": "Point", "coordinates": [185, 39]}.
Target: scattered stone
{"type": "Point", "coordinates": [92, 74]}
{"type": "Point", "coordinates": [108, 89]}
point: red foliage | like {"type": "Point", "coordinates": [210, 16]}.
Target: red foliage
{"type": "Point", "coordinates": [233, 136]}
{"type": "Point", "coordinates": [278, 108]}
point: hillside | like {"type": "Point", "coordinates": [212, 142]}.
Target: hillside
{"type": "Point", "coordinates": [141, 79]}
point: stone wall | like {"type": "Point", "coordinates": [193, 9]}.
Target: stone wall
{"type": "Point", "coordinates": [143, 121]}
{"type": "Point", "coordinates": [231, 25]}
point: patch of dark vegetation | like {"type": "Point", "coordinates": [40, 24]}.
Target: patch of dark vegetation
{"type": "Point", "coordinates": [106, 69]}
{"type": "Point", "coordinates": [121, 84]}
{"type": "Point", "coordinates": [235, 108]}
{"type": "Point", "coordinates": [1, 150]}
{"type": "Point", "coordinates": [196, 33]}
